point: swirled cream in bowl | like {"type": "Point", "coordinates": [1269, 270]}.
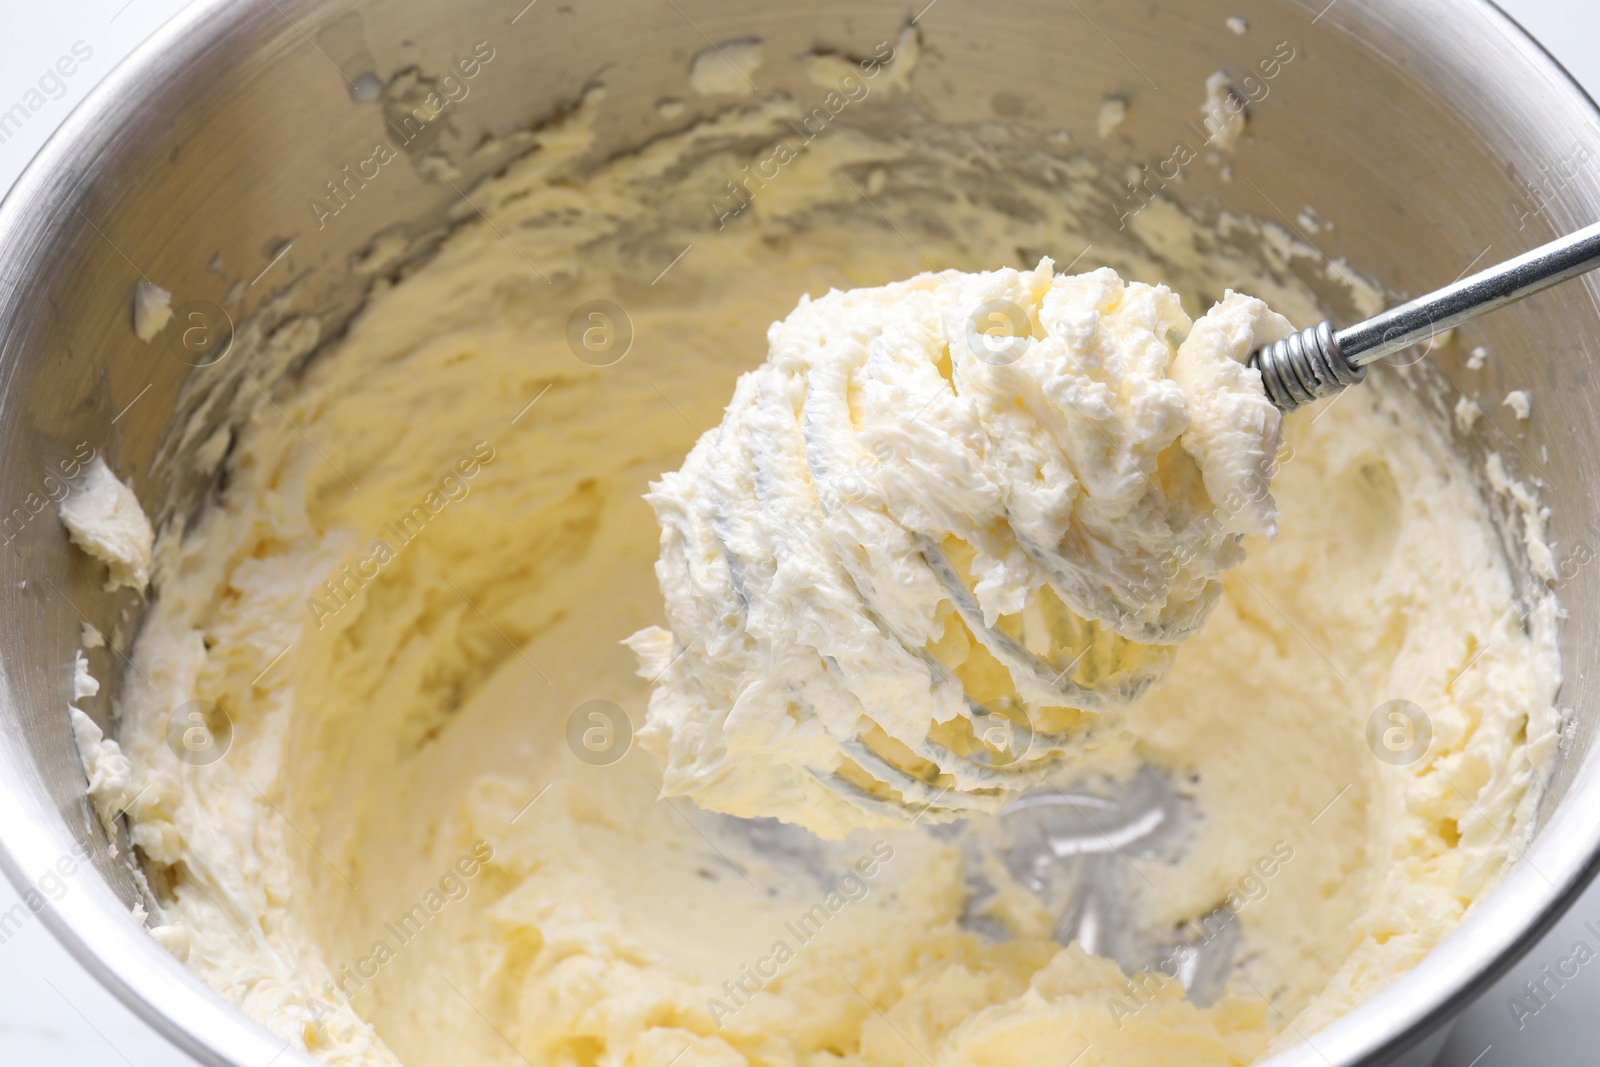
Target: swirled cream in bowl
{"type": "Point", "coordinates": [995, 678]}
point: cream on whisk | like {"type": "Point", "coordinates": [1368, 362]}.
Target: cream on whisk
{"type": "Point", "coordinates": [947, 527]}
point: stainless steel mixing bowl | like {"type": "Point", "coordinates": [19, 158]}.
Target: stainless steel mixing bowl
{"type": "Point", "coordinates": [1434, 131]}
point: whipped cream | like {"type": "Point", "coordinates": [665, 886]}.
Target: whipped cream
{"type": "Point", "coordinates": [919, 518]}
{"type": "Point", "coordinates": [104, 518]}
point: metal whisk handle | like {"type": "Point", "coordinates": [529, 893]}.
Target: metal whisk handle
{"type": "Point", "coordinates": [1320, 361]}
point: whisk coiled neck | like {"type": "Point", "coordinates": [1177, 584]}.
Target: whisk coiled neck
{"type": "Point", "coordinates": [1304, 367]}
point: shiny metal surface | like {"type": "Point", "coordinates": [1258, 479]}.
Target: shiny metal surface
{"type": "Point", "coordinates": [1319, 362]}
{"type": "Point", "coordinates": [1305, 366]}
{"type": "Point", "coordinates": [1489, 290]}
{"type": "Point", "coordinates": [1431, 131]}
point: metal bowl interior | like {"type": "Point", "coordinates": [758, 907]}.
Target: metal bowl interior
{"type": "Point", "coordinates": [1434, 131]}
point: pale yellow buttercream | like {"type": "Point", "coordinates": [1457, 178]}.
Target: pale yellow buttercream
{"type": "Point", "coordinates": [403, 859]}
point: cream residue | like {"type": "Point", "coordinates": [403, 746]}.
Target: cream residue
{"type": "Point", "coordinates": [105, 520]}
{"type": "Point", "coordinates": [1113, 112]}
{"type": "Point", "coordinates": [109, 771]}
{"type": "Point", "coordinates": [84, 684]}
{"type": "Point", "coordinates": [431, 711]}
{"type": "Point", "coordinates": [1223, 111]}
{"type": "Point", "coordinates": [726, 69]}
{"type": "Point", "coordinates": [1534, 515]}
{"type": "Point", "coordinates": [152, 310]}
{"type": "Point", "coordinates": [841, 73]}
{"type": "Point", "coordinates": [912, 465]}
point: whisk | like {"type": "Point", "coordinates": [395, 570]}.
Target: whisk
{"type": "Point", "coordinates": [1321, 361]}
{"type": "Point", "coordinates": [1007, 749]}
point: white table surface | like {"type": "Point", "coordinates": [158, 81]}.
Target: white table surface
{"type": "Point", "coordinates": [52, 1014]}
